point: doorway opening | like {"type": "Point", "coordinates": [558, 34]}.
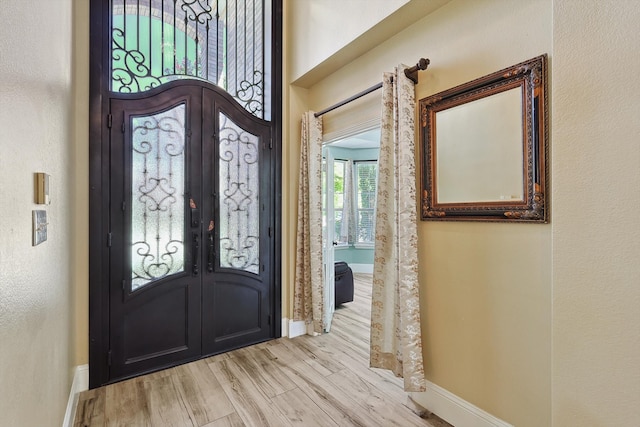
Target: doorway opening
{"type": "Point", "coordinates": [350, 166]}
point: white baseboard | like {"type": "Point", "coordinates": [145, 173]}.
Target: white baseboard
{"type": "Point", "coordinates": [80, 384]}
{"type": "Point", "coordinates": [453, 409]}
{"type": "Point", "coordinates": [362, 268]}
{"type": "Point", "coordinates": [297, 328]}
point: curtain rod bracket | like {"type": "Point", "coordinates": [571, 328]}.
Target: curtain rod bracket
{"type": "Point", "coordinates": [412, 72]}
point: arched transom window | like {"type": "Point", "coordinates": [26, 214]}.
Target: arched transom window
{"type": "Point", "coordinates": [226, 42]}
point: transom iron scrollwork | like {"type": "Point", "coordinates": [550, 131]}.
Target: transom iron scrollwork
{"type": "Point", "coordinates": [157, 193]}
{"type": "Point", "coordinates": [129, 72]}
{"type": "Point", "coordinates": [239, 197]}
{"type": "Point", "coordinates": [220, 41]}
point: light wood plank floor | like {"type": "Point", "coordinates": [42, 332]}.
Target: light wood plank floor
{"type": "Point", "coordinates": [305, 381]}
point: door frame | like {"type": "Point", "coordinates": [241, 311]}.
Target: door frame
{"type": "Point", "coordinates": [338, 135]}
{"type": "Point", "coordinates": [98, 197]}
{"type": "Point", "coordinates": [328, 237]}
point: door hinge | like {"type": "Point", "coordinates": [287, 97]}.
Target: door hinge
{"type": "Point", "coordinates": [123, 126]}
{"type": "Point", "coordinates": [109, 120]}
{"type": "Point", "coordinates": [109, 357]}
{"type": "Point", "coordinates": [270, 143]}
{"type": "Point", "coordinates": [109, 238]}
{"type": "Point", "coordinates": [269, 231]}
{"type": "Point", "coordinates": [124, 284]}
{"type": "Point", "coordinates": [269, 320]}
{"type": "Point", "coordinates": [124, 206]}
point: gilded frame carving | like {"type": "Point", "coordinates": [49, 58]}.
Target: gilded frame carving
{"type": "Point", "coordinates": [528, 78]}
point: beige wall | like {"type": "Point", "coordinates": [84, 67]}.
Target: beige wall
{"type": "Point", "coordinates": [596, 205]}
{"type": "Point", "coordinates": [336, 32]}
{"type": "Point", "coordinates": [315, 21]}
{"type": "Point", "coordinates": [80, 157]}
{"type": "Point", "coordinates": [36, 287]}
{"type": "Point", "coordinates": [536, 324]}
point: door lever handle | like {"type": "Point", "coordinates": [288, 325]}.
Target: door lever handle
{"type": "Point", "coordinates": [195, 214]}
{"type": "Point", "coordinates": [211, 254]}
{"type": "Point", "coordinates": [196, 253]}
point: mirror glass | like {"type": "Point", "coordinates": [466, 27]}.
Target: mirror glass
{"type": "Point", "coordinates": [484, 147]}
{"type": "Point", "coordinates": [482, 160]}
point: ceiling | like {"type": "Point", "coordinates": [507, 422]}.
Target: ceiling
{"type": "Point", "coordinates": [367, 139]}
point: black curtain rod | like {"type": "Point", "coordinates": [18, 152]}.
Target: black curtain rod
{"type": "Point", "coordinates": [411, 73]}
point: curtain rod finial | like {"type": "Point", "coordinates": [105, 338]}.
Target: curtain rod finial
{"type": "Point", "coordinates": [412, 73]}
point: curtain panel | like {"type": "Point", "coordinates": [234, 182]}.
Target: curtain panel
{"type": "Point", "coordinates": [348, 229]}
{"type": "Point", "coordinates": [308, 294]}
{"type": "Point", "coordinates": [396, 342]}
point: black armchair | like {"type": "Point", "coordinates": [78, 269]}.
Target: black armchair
{"type": "Point", "coordinates": [343, 283]}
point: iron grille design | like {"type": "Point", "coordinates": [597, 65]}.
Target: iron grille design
{"type": "Point", "coordinates": [239, 192]}
{"type": "Point", "coordinates": [157, 193]}
{"type": "Point", "coordinates": [220, 41]}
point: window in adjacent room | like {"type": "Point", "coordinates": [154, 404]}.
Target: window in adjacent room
{"type": "Point", "coordinates": [340, 216]}
{"type": "Point", "coordinates": [365, 183]}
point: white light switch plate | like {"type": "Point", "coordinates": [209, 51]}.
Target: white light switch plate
{"type": "Point", "coordinates": [39, 226]}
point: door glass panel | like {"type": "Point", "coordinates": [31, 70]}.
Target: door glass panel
{"type": "Point", "coordinates": [239, 197]}
{"type": "Point", "coordinates": [157, 196]}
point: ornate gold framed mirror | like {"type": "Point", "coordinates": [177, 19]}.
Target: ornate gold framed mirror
{"type": "Point", "coordinates": [484, 147]}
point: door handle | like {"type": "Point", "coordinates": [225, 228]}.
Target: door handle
{"type": "Point", "coordinates": [196, 253]}
{"type": "Point", "coordinates": [211, 254]}
{"type": "Point", "coordinates": [195, 214]}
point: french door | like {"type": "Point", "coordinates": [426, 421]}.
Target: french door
{"type": "Point", "coordinates": [191, 219]}
{"type": "Point", "coordinates": [328, 236]}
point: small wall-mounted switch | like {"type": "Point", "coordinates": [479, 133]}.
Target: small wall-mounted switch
{"type": "Point", "coordinates": [39, 227]}
{"type": "Point", "coordinates": [42, 188]}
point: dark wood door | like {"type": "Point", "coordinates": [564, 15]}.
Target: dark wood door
{"type": "Point", "coordinates": [239, 210]}
{"type": "Point", "coordinates": [190, 215]}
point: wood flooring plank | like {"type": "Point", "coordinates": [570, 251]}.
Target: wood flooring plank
{"type": "Point", "coordinates": [344, 351]}
{"type": "Point", "coordinates": [253, 407]}
{"type": "Point", "coordinates": [166, 408]}
{"type": "Point", "coordinates": [300, 410]}
{"type": "Point", "coordinates": [231, 420]}
{"type": "Point", "coordinates": [201, 393]}
{"type": "Point", "coordinates": [259, 365]}
{"type": "Point", "coordinates": [126, 404]}
{"type": "Point", "coordinates": [299, 345]}
{"type": "Point", "coordinates": [386, 410]}
{"type": "Point", "coordinates": [334, 401]}
{"type": "Point", "coordinates": [90, 409]}
{"type": "Point", "coordinates": [288, 350]}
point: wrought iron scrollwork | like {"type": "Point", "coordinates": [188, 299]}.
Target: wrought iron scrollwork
{"type": "Point", "coordinates": [130, 72]}
{"type": "Point", "coordinates": [219, 41]}
{"type": "Point", "coordinates": [239, 187]}
{"type": "Point", "coordinates": [250, 94]}
{"type": "Point", "coordinates": [197, 10]}
{"type": "Point", "coordinates": [158, 200]}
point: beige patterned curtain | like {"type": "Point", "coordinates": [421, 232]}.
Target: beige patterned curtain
{"type": "Point", "coordinates": [308, 293]}
{"type": "Point", "coordinates": [348, 228]}
{"type": "Point", "coordinates": [396, 342]}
